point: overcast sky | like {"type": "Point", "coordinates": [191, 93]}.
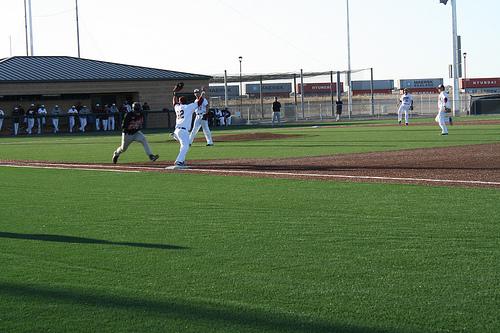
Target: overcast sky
{"type": "Point", "coordinates": [398, 38]}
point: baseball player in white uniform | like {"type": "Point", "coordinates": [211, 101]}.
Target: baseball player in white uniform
{"type": "Point", "coordinates": [443, 108]}
{"type": "Point", "coordinates": [42, 113]}
{"type": "Point", "coordinates": [184, 116]}
{"type": "Point", "coordinates": [55, 113]}
{"type": "Point", "coordinates": [405, 105]}
{"type": "Point", "coordinates": [2, 115]}
{"type": "Point", "coordinates": [201, 120]}
{"type": "Point", "coordinates": [72, 112]}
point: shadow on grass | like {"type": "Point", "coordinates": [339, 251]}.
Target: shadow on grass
{"type": "Point", "coordinates": [82, 240]}
{"type": "Point", "coordinates": [218, 315]}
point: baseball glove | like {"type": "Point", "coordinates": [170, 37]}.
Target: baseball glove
{"type": "Point", "coordinates": [178, 87]}
{"type": "Point", "coordinates": [447, 110]}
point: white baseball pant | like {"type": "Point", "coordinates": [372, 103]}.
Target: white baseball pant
{"type": "Point", "coordinates": [440, 119]}
{"type": "Point", "coordinates": [31, 123]}
{"type": "Point", "coordinates": [182, 136]}
{"type": "Point", "coordinates": [55, 124]}
{"type": "Point", "coordinates": [71, 124]}
{"type": "Point", "coordinates": [406, 110]}
{"type": "Point", "coordinates": [200, 123]}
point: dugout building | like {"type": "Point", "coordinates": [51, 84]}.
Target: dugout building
{"type": "Point", "coordinates": [65, 81]}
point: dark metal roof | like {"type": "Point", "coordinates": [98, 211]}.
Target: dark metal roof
{"type": "Point", "coordinates": [62, 68]}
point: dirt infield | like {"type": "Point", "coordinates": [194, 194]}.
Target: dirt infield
{"type": "Point", "coordinates": [466, 166]}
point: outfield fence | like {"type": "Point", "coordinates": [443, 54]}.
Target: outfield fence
{"type": "Point", "coordinates": [253, 111]}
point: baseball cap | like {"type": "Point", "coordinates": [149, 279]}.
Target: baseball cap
{"type": "Point", "coordinates": [196, 91]}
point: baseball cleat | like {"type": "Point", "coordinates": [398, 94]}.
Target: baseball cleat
{"type": "Point", "coordinates": [210, 144]}
{"type": "Point", "coordinates": [444, 133]}
{"type": "Point", "coordinates": [153, 157]}
{"type": "Point", "coordinates": [173, 136]}
{"type": "Point", "coordinates": [177, 166]}
{"type": "Point", "coordinates": [115, 158]}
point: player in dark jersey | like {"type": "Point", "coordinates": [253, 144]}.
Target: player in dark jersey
{"type": "Point", "coordinates": [131, 131]}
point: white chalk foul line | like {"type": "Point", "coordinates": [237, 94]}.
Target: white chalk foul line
{"type": "Point", "coordinates": [65, 167]}
{"type": "Point", "coordinates": [293, 174]}
{"type": "Point", "coordinates": [136, 169]}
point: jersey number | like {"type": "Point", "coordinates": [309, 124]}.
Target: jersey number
{"type": "Point", "coordinates": [180, 114]}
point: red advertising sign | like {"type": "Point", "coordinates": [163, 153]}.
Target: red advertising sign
{"type": "Point", "coordinates": [320, 88]}
{"type": "Point", "coordinates": [492, 82]}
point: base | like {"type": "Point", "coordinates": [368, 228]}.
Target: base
{"type": "Point", "coordinates": [176, 167]}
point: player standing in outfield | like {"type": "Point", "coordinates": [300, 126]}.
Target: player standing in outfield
{"type": "Point", "coordinates": [443, 109]}
{"type": "Point", "coordinates": [405, 105]}
{"type": "Point", "coordinates": [131, 131]}
{"type": "Point", "coordinates": [201, 120]}
{"type": "Point", "coordinates": [184, 115]}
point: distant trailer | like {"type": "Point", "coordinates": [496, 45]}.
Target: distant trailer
{"type": "Point", "coordinates": [379, 87]}
{"type": "Point", "coordinates": [375, 92]}
{"type": "Point", "coordinates": [420, 86]}
{"type": "Point", "coordinates": [233, 91]}
{"type": "Point", "coordinates": [269, 89]}
{"type": "Point", "coordinates": [320, 88]}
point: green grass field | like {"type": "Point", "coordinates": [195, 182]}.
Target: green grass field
{"type": "Point", "coordinates": [87, 251]}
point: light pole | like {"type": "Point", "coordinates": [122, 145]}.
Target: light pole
{"type": "Point", "coordinates": [240, 58]}
{"type": "Point", "coordinates": [349, 82]}
{"type": "Point", "coordinates": [77, 28]}
{"type": "Point", "coordinates": [30, 20]}
{"type": "Point", "coordinates": [26, 27]}
{"type": "Point", "coordinates": [456, 95]}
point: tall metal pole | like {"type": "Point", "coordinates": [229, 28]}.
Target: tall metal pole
{"type": "Point", "coordinates": [371, 92]}
{"type": "Point", "coordinates": [331, 92]}
{"type": "Point", "coordinates": [295, 87]}
{"type": "Point", "coordinates": [77, 28]}
{"type": "Point", "coordinates": [225, 89]}
{"type": "Point", "coordinates": [240, 58]}
{"type": "Point", "coordinates": [465, 68]}
{"type": "Point", "coordinates": [349, 82]}
{"type": "Point", "coordinates": [302, 93]}
{"type": "Point", "coordinates": [261, 99]}
{"type": "Point", "coordinates": [465, 82]}
{"type": "Point", "coordinates": [30, 18]}
{"type": "Point", "coordinates": [10, 44]}
{"type": "Point", "coordinates": [26, 27]}
{"type": "Point", "coordinates": [456, 94]}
